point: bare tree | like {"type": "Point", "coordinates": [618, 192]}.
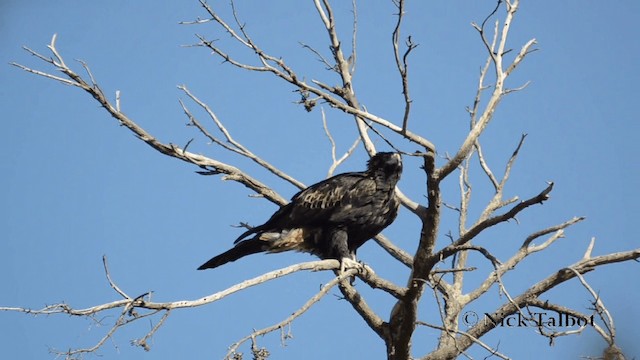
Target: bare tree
{"type": "Point", "coordinates": [437, 269]}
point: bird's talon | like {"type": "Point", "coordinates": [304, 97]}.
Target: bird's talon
{"type": "Point", "coordinates": [348, 263]}
{"type": "Point", "coordinates": [367, 269]}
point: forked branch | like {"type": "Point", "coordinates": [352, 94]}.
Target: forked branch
{"type": "Point", "coordinates": [402, 62]}
{"type": "Point", "coordinates": [134, 308]}
{"type": "Point", "coordinates": [496, 50]}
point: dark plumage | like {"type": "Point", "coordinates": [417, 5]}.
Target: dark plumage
{"type": "Point", "coordinates": [330, 219]}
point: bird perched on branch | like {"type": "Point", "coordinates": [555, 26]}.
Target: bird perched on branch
{"type": "Point", "coordinates": [330, 219]}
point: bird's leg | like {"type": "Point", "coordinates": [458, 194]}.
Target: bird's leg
{"type": "Point", "coordinates": [339, 249]}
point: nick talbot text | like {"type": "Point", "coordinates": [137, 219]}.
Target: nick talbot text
{"type": "Point", "coordinates": [540, 319]}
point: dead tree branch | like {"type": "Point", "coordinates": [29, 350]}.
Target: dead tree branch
{"type": "Point", "coordinates": [286, 322]}
{"type": "Point", "coordinates": [234, 145]}
{"type": "Point", "coordinates": [530, 297]}
{"type": "Point", "coordinates": [209, 165]}
{"type": "Point", "coordinates": [402, 62]}
{"type": "Point", "coordinates": [130, 305]}
{"type": "Point", "coordinates": [496, 53]}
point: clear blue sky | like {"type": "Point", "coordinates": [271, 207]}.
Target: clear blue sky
{"type": "Point", "coordinates": [76, 186]}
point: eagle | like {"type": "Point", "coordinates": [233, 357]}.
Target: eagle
{"type": "Point", "coordinates": [330, 219]}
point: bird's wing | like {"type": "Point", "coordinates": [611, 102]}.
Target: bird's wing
{"type": "Point", "coordinates": [320, 203]}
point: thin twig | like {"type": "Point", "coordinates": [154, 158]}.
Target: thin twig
{"type": "Point", "coordinates": [111, 283]}
{"type": "Point", "coordinates": [236, 146]}
{"type": "Point", "coordinates": [402, 62]}
{"type": "Point", "coordinates": [336, 162]}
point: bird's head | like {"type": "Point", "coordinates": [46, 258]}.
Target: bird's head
{"type": "Point", "coordinates": [387, 164]}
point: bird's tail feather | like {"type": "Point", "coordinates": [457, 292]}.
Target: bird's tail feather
{"type": "Point", "coordinates": [242, 249]}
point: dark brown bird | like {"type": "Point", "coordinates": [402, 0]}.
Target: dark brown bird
{"type": "Point", "coordinates": [330, 219]}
